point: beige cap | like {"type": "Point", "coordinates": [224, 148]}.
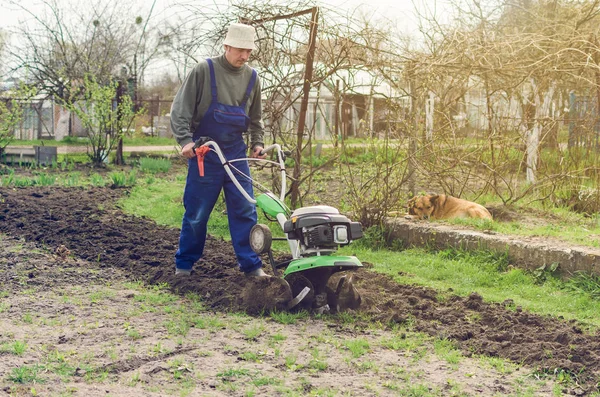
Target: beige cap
{"type": "Point", "coordinates": [241, 36]}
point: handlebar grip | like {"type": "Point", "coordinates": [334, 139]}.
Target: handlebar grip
{"type": "Point", "coordinates": [201, 141]}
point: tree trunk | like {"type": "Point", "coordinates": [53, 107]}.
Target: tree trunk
{"type": "Point", "coordinates": [533, 137]}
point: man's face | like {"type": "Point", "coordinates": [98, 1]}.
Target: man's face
{"type": "Point", "coordinates": [237, 57]}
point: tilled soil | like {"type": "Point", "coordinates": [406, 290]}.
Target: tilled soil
{"type": "Point", "coordinates": [87, 223]}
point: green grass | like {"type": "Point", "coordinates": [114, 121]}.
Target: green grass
{"type": "Point", "coordinates": [567, 226]}
{"type": "Point", "coordinates": [161, 201]}
{"type": "Point", "coordinates": [27, 374]}
{"type": "Point", "coordinates": [357, 347]}
{"type": "Point", "coordinates": [484, 273]}
{"type": "Point", "coordinates": [17, 347]}
{"type": "Point", "coordinates": [153, 166]}
{"type": "Point", "coordinates": [447, 351]}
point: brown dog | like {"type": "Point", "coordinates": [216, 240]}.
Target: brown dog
{"type": "Point", "coordinates": [441, 206]}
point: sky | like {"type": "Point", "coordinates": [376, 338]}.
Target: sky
{"type": "Point", "coordinates": [402, 12]}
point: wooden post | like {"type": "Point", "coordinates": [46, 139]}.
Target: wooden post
{"type": "Point", "coordinates": [412, 140]}
{"type": "Point", "coordinates": [308, 71]}
{"type": "Point", "coordinates": [119, 160]}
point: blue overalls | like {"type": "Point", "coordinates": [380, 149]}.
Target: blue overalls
{"type": "Point", "coordinates": [225, 125]}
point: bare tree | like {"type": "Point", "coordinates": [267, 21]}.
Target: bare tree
{"type": "Point", "coordinates": [508, 67]}
{"type": "Point", "coordinates": [60, 43]}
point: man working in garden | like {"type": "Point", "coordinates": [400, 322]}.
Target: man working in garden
{"type": "Point", "coordinates": [220, 99]}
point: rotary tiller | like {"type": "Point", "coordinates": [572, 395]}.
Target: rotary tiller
{"type": "Point", "coordinates": [317, 278]}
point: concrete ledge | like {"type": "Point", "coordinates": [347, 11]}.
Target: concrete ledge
{"type": "Point", "coordinates": [524, 252]}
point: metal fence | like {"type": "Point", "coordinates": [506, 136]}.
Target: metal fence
{"type": "Point", "coordinates": [45, 119]}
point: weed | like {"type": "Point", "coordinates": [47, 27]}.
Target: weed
{"type": "Point", "coordinates": [545, 272]}
{"type": "Point", "coordinates": [133, 333]}
{"type": "Point", "coordinates": [266, 381]}
{"type": "Point", "coordinates": [97, 180]}
{"type": "Point", "coordinates": [500, 365]}
{"type": "Point", "coordinates": [290, 362]}
{"type": "Point", "coordinates": [177, 327]}
{"type": "Point", "coordinates": [17, 347]}
{"type": "Point", "coordinates": [155, 297]}
{"type": "Point", "coordinates": [278, 337]}
{"type": "Point", "coordinates": [367, 366]}
{"type": "Point", "coordinates": [58, 363]}
{"type": "Point", "coordinates": [73, 179]}
{"type": "Point", "coordinates": [233, 373]}
{"type": "Point", "coordinates": [357, 347]}
{"type": "Point", "coordinates": [212, 323]}
{"type": "Point", "coordinates": [26, 374]}
{"type": "Point", "coordinates": [179, 369]}
{"type": "Point", "coordinates": [253, 332]}
{"type": "Point", "coordinates": [250, 356]}
{"type": "Point", "coordinates": [131, 179]}
{"type": "Point", "coordinates": [447, 350]}
{"type": "Point", "coordinates": [317, 363]}
{"type": "Point", "coordinates": [23, 182]}
{"type": "Point", "coordinates": [584, 284]}
{"type": "Point", "coordinates": [288, 318]}
{"type": "Point", "coordinates": [135, 379]}
{"type": "Point", "coordinates": [118, 179]}
{"type": "Point", "coordinates": [45, 180]}
{"type": "Point", "coordinates": [373, 238]}
{"type": "Point", "coordinates": [27, 318]}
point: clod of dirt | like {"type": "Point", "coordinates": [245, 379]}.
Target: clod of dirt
{"type": "Point", "coordinates": [344, 294]}
{"type": "Point", "coordinates": [263, 294]}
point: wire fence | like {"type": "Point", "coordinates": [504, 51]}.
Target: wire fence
{"type": "Point", "coordinates": [45, 119]}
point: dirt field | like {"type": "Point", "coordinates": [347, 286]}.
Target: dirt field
{"type": "Point", "coordinates": [69, 260]}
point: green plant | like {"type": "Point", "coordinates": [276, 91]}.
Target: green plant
{"type": "Point", "coordinates": [318, 362]}
{"type": "Point", "coordinates": [97, 180]}
{"type": "Point", "coordinates": [17, 347]}
{"type": "Point", "coordinates": [23, 182]}
{"type": "Point", "coordinates": [253, 332]}
{"type": "Point", "coordinates": [357, 347]}
{"type": "Point", "coordinates": [73, 179]}
{"type": "Point", "coordinates": [26, 374]}
{"type": "Point", "coordinates": [290, 362]}
{"type": "Point", "coordinates": [118, 179]}
{"type": "Point", "coordinates": [545, 272]}
{"type": "Point", "coordinates": [45, 180]}
{"type": "Point", "coordinates": [447, 350]}
{"type": "Point", "coordinates": [153, 165]}
{"type": "Point", "coordinates": [287, 317]}
{"type": "Point", "coordinates": [12, 108]}
{"type": "Point", "coordinates": [104, 122]}
{"type": "Point", "coordinates": [585, 284]}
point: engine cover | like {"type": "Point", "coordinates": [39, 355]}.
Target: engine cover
{"type": "Point", "coordinates": [321, 227]}
{"type": "Point", "coordinates": [319, 236]}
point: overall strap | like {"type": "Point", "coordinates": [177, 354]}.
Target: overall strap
{"type": "Point", "coordinates": [249, 89]}
{"type": "Point", "coordinates": [213, 81]}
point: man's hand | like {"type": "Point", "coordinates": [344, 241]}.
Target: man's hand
{"type": "Point", "coordinates": [187, 151]}
{"type": "Point", "coordinates": [256, 153]}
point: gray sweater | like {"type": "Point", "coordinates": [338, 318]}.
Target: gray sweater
{"type": "Point", "coordinates": [194, 96]}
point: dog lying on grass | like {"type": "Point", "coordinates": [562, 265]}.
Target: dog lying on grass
{"type": "Point", "coordinates": [441, 206]}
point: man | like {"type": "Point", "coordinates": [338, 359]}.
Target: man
{"type": "Point", "coordinates": [220, 99]}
